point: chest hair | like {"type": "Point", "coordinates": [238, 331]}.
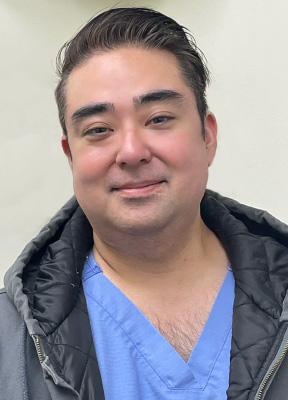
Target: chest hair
{"type": "Point", "coordinates": [181, 327]}
{"type": "Point", "coordinates": [181, 332]}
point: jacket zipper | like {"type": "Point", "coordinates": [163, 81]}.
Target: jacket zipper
{"type": "Point", "coordinates": [271, 372]}
{"type": "Point", "coordinates": [39, 349]}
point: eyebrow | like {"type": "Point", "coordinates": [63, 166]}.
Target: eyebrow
{"type": "Point", "coordinates": [146, 98]}
{"type": "Point", "coordinates": [156, 95]}
{"type": "Point", "coordinates": [92, 109]}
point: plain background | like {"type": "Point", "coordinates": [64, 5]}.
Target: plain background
{"type": "Point", "coordinates": [246, 45]}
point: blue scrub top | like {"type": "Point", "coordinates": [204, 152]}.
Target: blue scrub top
{"type": "Point", "coordinates": [137, 362]}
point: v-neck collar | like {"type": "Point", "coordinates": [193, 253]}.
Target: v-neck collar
{"type": "Point", "coordinates": [152, 345]}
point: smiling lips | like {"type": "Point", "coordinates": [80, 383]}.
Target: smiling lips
{"type": "Point", "coordinates": [135, 189]}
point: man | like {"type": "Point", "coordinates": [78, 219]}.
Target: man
{"type": "Point", "coordinates": [128, 292]}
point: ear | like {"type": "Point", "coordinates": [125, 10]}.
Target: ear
{"type": "Point", "coordinates": [210, 126]}
{"type": "Point", "coordinates": [66, 149]}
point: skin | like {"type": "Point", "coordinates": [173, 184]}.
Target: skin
{"type": "Point", "coordinates": [140, 167]}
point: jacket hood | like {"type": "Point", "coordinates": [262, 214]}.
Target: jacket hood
{"type": "Point", "coordinates": [50, 265]}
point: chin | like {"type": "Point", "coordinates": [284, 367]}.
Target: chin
{"type": "Point", "coordinates": [140, 227]}
{"type": "Point", "coordinates": [132, 225]}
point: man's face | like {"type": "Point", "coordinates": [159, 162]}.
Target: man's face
{"type": "Point", "coordinates": [138, 157]}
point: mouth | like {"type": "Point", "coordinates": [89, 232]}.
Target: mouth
{"type": "Point", "coordinates": [136, 189]}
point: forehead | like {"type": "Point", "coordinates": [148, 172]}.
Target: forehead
{"type": "Point", "coordinates": [122, 74]}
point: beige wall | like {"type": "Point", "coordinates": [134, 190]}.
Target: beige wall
{"type": "Point", "coordinates": [246, 45]}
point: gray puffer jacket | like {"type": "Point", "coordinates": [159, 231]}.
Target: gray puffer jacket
{"type": "Point", "coordinates": [46, 345]}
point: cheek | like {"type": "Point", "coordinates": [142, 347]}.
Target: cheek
{"type": "Point", "coordinates": [189, 162]}
{"type": "Point", "coordinates": [88, 179]}
{"type": "Point", "coordinates": [187, 155]}
{"type": "Point", "coordinates": [88, 166]}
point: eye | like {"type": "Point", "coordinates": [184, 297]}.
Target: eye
{"type": "Point", "coordinates": [160, 119]}
{"type": "Point", "coordinates": [98, 131]}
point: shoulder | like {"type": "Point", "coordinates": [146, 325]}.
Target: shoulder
{"type": "Point", "coordinates": [4, 300]}
{"type": "Point", "coordinates": [9, 317]}
{"type": "Point", "coordinates": [12, 329]}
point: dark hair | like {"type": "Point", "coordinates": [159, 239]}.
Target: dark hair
{"type": "Point", "coordinates": [142, 27]}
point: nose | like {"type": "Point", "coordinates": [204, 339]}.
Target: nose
{"type": "Point", "coordinates": [133, 149]}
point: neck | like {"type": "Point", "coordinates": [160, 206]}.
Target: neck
{"type": "Point", "coordinates": [166, 258]}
